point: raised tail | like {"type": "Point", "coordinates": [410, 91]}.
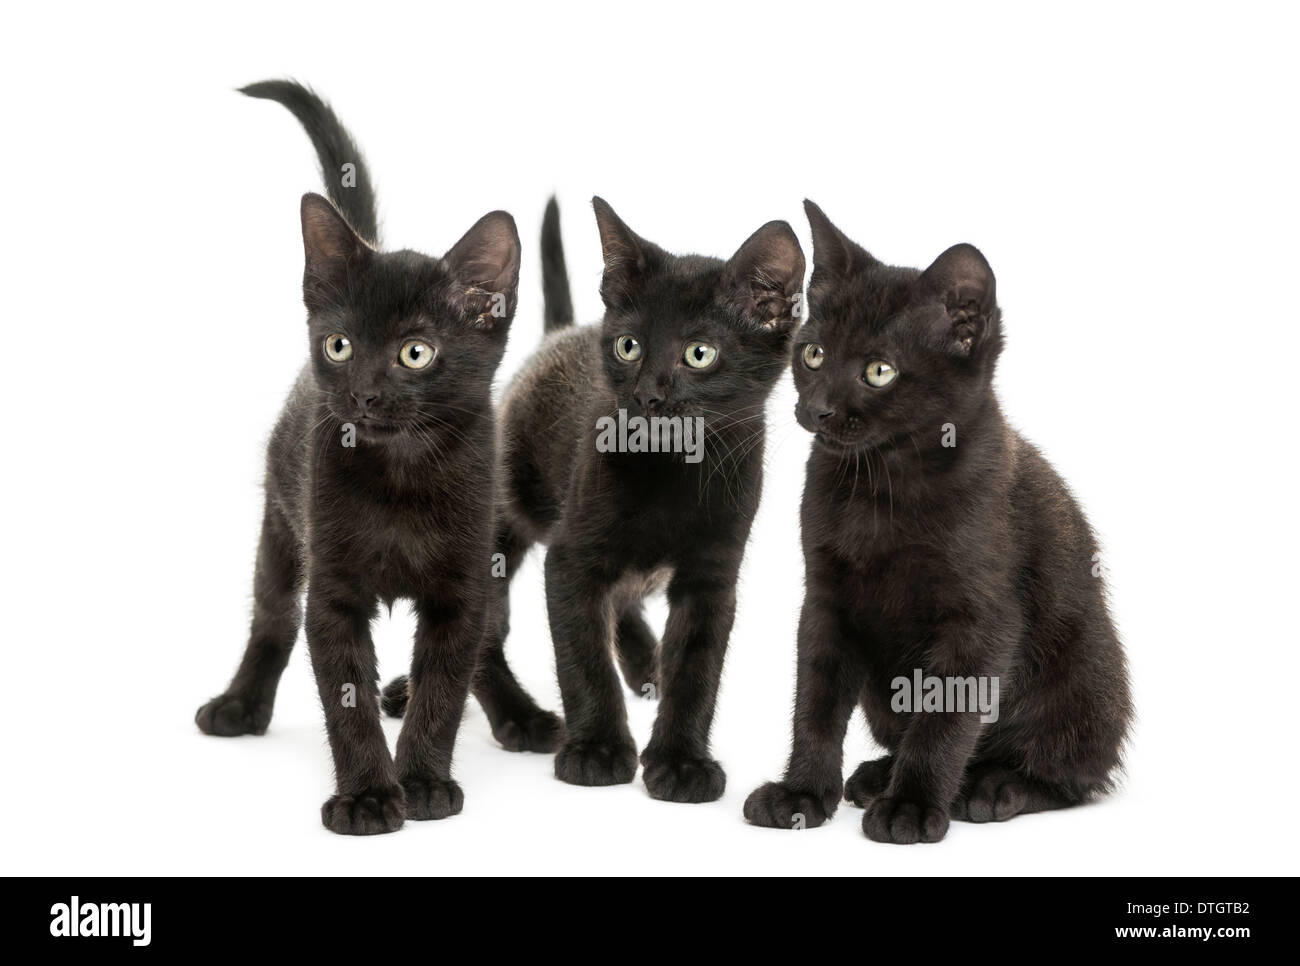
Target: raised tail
{"type": "Point", "coordinates": [343, 169]}
{"type": "Point", "coordinates": [557, 302]}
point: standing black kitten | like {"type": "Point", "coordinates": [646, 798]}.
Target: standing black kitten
{"type": "Point", "coordinates": [378, 486]}
{"type": "Point", "coordinates": [686, 337]}
{"type": "Point", "coordinates": [935, 539]}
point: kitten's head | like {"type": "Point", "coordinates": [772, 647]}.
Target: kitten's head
{"type": "Point", "coordinates": [889, 355]}
{"type": "Point", "coordinates": [399, 340]}
{"type": "Point", "coordinates": [686, 335]}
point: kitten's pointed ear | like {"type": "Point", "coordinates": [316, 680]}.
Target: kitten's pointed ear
{"type": "Point", "coordinates": [484, 267]}
{"type": "Point", "coordinates": [766, 275]}
{"type": "Point", "coordinates": [833, 252]}
{"type": "Point", "coordinates": [330, 246]}
{"type": "Point", "coordinates": [962, 282]}
{"type": "Point", "coordinates": [628, 256]}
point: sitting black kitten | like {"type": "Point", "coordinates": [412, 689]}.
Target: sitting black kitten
{"type": "Point", "coordinates": [935, 538]}
{"type": "Point", "coordinates": [683, 336]}
{"type": "Point", "coordinates": [378, 486]}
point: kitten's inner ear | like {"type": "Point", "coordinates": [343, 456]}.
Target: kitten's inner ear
{"type": "Point", "coordinates": [766, 274]}
{"type": "Point", "coordinates": [484, 266]}
{"type": "Point", "coordinates": [628, 257]}
{"type": "Point", "coordinates": [330, 245]}
{"type": "Point", "coordinates": [962, 281]}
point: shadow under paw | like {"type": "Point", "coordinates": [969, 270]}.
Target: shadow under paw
{"type": "Point", "coordinates": [689, 780]}
{"type": "Point", "coordinates": [540, 732]}
{"type": "Point", "coordinates": [596, 763]}
{"type": "Point", "coordinates": [432, 798]}
{"type": "Point", "coordinates": [777, 805]}
{"type": "Point", "coordinates": [371, 812]}
{"type": "Point", "coordinates": [230, 715]}
{"type": "Point", "coordinates": [901, 822]}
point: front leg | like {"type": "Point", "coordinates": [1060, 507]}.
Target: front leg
{"type": "Point", "coordinates": [702, 609]}
{"type": "Point", "coordinates": [829, 676]}
{"type": "Point", "coordinates": [598, 747]}
{"type": "Point", "coordinates": [368, 799]}
{"type": "Point", "coordinates": [936, 746]}
{"type": "Point", "coordinates": [447, 637]}
{"type": "Point", "coordinates": [914, 807]}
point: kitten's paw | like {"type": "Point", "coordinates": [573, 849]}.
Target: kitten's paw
{"type": "Point", "coordinates": [903, 822]}
{"type": "Point", "coordinates": [642, 675]}
{"type": "Point", "coordinates": [541, 732]}
{"type": "Point", "coordinates": [994, 796]}
{"type": "Point", "coordinates": [777, 805]}
{"type": "Point", "coordinates": [396, 696]}
{"type": "Point", "coordinates": [637, 649]}
{"type": "Point", "coordinates": [673, 779]}
{"type": "Point", "coordinates": [228, 715]}
{"type": "Point", "coordinates": [432, 798]}
{"type": "Point", "coordinates": [869, 781]}
{"type": "Point", "coordinates": [648, 689]}
{"type": "Point", "coordinates": [596, 762]}
{"type": "Point", "coordinates": [372, 812]}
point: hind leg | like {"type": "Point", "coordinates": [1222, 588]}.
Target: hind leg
{"type": "Point", "coordinates": [245, 707]}
{"type": "Point", "coordinates": [638, 652]}
{"type": "Point", "coordinates": [517, 722]}
{"type": "Point", "coordinates": [995, 793]}
{"type": "Point", "coordinates": [871, 778]}
{"type": "Point", "coordinates": [869, 781]}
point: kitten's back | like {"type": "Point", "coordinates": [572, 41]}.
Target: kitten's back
{"type": "Point", "coordinates": [1070, 727]}
{"type": "Point", "coordinates": [543, 417]}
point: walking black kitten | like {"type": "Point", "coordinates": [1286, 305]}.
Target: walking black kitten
{"type": "Point", "coordinates": [935, 538]}
{"type": "Point", "coordinates": [685, 337]}
{"type": "Point", "coordinates": [378, 486]}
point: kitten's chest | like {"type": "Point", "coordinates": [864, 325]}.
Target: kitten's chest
{"type": "Point", "coordinates": [395, 544]}
{"type": "Point", "coordinates": [888, 578]}
{"type": "Point", "coordinates": [900, 591]}
{"type": "Point", "coordinates": [659, 528]}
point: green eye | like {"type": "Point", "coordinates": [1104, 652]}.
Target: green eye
{"type": "Point", "coordinates": [880, 374]}
{"type": "Point", "coordinates": [415, 355]}
{"type": "Point", "coordinates": [627, 348]}
{"type": "Point", "coordinates": [700, 355]}
{"type": "Point", "coordinates": [813, 355]}
{"type": "Point", "coordinates": [338, 348]}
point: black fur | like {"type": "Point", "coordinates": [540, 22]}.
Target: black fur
{"type": "Point", "coordinates": [406, 512]}
{"type": "Point", "coordinates": [557, 300]}
{"type": "Point", "coordinates": [334, 148]}
{"type": "Point", "coordinates": [964, 560]}
{"type": "Point", "coordinates": [620, 524]}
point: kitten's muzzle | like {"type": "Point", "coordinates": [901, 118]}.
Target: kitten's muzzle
{"type": "Point", "coordinates": [814, 417]}
{"type": "Point", "coordinates": [365, 400]}
{"type": "Point", "coordinates": [649, 403]}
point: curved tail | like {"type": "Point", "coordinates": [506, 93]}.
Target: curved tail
{"type": "Point", "coordinates": [557, 302]}
{"type": "Point", "coordinates": [346, 177]}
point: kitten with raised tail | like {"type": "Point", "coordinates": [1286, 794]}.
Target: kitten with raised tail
{"type": "Point", "coordinates": [378, 486]}
{"type": "Point", "coordinates": [952, 587]}
{"type": "Point", "coordinates": [690, 347]}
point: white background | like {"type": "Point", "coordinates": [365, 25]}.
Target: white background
{"type": "Point", "coordinates": [1129, 171]}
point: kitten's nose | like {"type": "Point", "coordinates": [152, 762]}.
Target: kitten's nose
{"type": "Point", "coordinates": [365, 399]}
{"type": "Point", "coordinates": [648, 401]}
{"type": "Point", "coordinates": [821, 415]}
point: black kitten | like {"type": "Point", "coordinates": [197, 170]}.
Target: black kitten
{"type": "Point", "coordinates": [378, 486]}
{"type": "Point", "coordinates": [684, 338]}
{"type": "Point", "coordinates": [940, 546]}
